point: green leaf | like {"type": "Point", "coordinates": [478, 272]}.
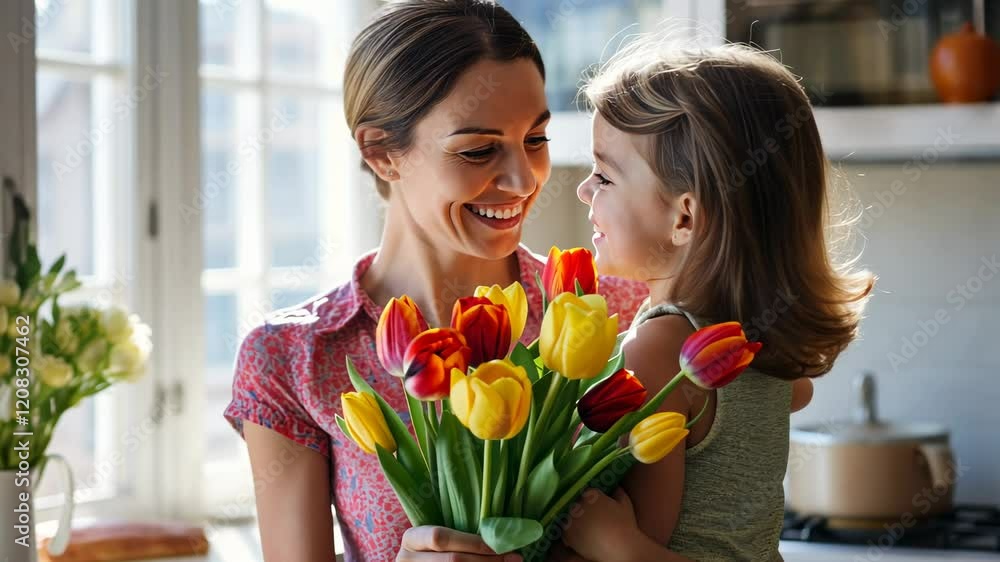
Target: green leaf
{"type": "Point", "coordinates": [457, 459]}
{"type": "Point", "coordinates": [579, 288]}
{"type": "Point", "coordinates": [58, 265]}
{"type": "Point", "coordinates": [342, 423]}
{"type": "Point", "coordinates": [543, 483]}
{"type": "Point", "coordinates": [406, 448]}
{"type": "Point", "coordinates": [418, 502]}
{"type": "Point", "coordinates": [521, 357]}
{"type": "Point", "coordinates": [575, 461]}
{"type": "Point", "coordinates": [506, 534]}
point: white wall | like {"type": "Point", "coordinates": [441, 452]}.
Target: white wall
{"type": "Point", "coordinates": [922, 241]}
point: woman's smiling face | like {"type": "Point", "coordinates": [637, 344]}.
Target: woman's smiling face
{"type": "Point", "coordinates": [478, 160]}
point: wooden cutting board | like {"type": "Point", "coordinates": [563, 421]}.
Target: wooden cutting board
{"type": "Point", "coordinates": [117, 541]}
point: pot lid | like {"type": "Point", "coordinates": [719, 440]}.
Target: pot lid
{"type": "Point", "coordinates": [866, 427]}
{"type": "Point", "coordinates": [875, 433]}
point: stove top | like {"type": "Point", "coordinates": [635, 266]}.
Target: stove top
{"type": "Point", "coordinates": [968, 527]}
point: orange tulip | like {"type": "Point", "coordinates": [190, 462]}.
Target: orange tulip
{"type": "Point", "coordinates": [429, 360]}
{"type": "Point", "coordinates": [715, 355]}
{"type": "Point", "coordinates": [399, 323]}
{"type": "Point", "coordinates": [564, 268]}
{"type": "Point", "coordinates": [486, 327]}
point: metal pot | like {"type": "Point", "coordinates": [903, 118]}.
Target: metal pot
{"type": "Point", "coordinates": [870, 470]}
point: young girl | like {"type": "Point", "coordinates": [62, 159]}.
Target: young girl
{"type": "Point", "coordinates": [710, 185]}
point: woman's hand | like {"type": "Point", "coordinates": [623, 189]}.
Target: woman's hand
{"type": "Point", "coordinates": [440, 544]}
{"type": "Point", "coordinates": [602, 527]}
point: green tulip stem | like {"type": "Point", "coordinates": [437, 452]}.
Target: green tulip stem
{"type": "Point", "coordinates": [430, 417]}
{"type": "Point", "coordinates": [529, 449]}
{"type": "Point", "coordinates": [628, 421]}
{"type": "Point", "coordinates": [486, 501]}
{"type": "Point", "coordinates": [574, 490]}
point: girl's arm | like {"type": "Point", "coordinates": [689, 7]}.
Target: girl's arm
{"type": "Point", "coordinates": [608, 532]}
{"type": "Point", "coordinates": [293, 503]}
{"type": "Point", "coordinates": [802, 393]}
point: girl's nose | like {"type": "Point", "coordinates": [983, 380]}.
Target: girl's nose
{"type": "Point", "coordinates": [585, 191]}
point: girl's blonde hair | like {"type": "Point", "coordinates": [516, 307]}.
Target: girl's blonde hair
{"type": "Point", "coordinates": [732, 125]}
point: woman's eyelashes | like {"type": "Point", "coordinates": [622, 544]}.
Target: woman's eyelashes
{"type": "Point", "coordinates": [484, 153]}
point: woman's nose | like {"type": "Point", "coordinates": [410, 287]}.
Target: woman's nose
{"type": "Point", "coordinates": [518, 176]}
{"type": "Point", "coordinates": [585, 192]}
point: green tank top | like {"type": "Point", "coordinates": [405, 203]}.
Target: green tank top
{"type": "Point", "coordinates": [733, 500]}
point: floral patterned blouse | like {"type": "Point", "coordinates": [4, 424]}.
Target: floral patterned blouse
{"type": "Point", "coordinates": [290, 373]}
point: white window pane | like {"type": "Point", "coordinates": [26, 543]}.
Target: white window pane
{"type": "Point", "coordinates": [221, 337]}
{"type": "Point", "coordinates": [302, 41]}
{"type": "Point", "coordinates": [58, 23]}
{"type": "Point", "coordinates": [68, 26]}
{"type": "Point", "coordinates": [293, 180]}
{"type": "Point", "coordinates": [223, 168]}
{"type": "Point", "coordinates": [66, 150]}
{"type": "Point", "coordinates": [572, 36]}
{"type": "Point", "coordinates": [229, 35]}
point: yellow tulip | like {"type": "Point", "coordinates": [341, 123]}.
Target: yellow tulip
{"type": "Point", "coordinates": [494, 401]}
{"type": "Point", "coordinates": [577, 335]}
{"type": "Point", "coordinates": [654, 437]}
{"type": "Point", "coordinates": [514, 299]}
{"type": "Point", "coordinates": [366, 423]}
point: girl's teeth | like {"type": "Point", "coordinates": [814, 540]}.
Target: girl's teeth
{"type": "Point", "coordinates": [489, 213]}
{"type": "Point", "coordinates": [506, 213]}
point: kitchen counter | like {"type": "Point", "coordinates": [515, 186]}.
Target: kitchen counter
{"type": "Point", "coordinates": [241, 543]}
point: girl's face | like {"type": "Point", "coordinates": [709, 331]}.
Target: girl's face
{"type": "Point", "coordinates": [634, 223]}
{"type": "Point", "coordinates": [478, 161]}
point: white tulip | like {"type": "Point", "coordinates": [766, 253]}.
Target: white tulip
{"type": "Point", "coordinates": [128, 361]}
{"type": "Point", "coordinates": [10, 292]}
{"type": "Point", "coordinates": [65, 337]}
{"type": "Point", "coordinates": [117, 324]}
{"type": "Point", "coordinates": [53, 371]}
{"type": "Point", "coordinates": [90, 357]}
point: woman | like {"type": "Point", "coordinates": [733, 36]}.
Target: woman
{"type": "Point", "coordinates": [446, 100]}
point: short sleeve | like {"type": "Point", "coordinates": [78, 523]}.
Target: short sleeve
{"type": "Point", "coordinates": [271, 366]}
{"type": "Point", "coordinates": [624, 297]}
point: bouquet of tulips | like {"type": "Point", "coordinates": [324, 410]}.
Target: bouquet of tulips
{"type": "Point", "coordinates": [506, 436]}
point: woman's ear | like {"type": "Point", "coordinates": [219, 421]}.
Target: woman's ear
{"type": "Point", "coordinates": [686, 211]}
{"type": "Point", "coordinates": [377, 157]}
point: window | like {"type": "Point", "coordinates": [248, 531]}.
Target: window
{"type": "Point", "coordinates": [85, 115]}
{"type": "Point", "coordinates": [573, 35]}
{"type": "Point", "coordinates": [275, 160]}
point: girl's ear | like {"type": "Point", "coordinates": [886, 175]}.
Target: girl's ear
{"type": "Point", "coordinates": [375, 155]}
{"type": "Point", "coordinates": [683, 227]}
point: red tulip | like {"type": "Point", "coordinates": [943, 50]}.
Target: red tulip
{"type": "Point", "coordinates": [564, 268]}
{"type": "Point", "coordinates": [609, 400]}
{"type": "Point", "coordinates": [429, 360]}
{"type": "Point", "coordinates": [400, 322]}
{"type": "Point", "coordinates": [715, 355]}
{"type": "Point", "coordinates": [486, 327]}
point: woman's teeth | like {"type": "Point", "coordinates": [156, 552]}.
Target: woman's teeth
{"type": "Point", "coordinates": [494, 213]}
